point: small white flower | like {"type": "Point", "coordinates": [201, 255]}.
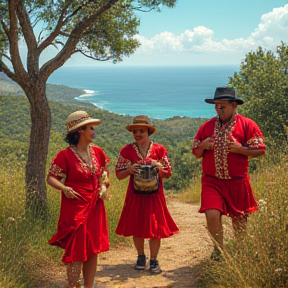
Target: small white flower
{"type": "Point", "coordinates": [9, 220]}
{"type": "Point", "coordinates": [261, 202]}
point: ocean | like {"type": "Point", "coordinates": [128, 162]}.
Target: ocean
{"type": "Point", "coordinates": [158, 92]}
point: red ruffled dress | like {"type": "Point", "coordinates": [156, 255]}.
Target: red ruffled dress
{"type": "Point", "coordinates": [82, 227]}
{"type": "Point", "coordinates": [145, 215]}
{"type": "Point", "coordinates": [226, 173]}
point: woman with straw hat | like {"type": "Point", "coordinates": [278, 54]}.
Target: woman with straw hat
{"type": "Point", "coordinates": [145, 214]}
{"type": "Point", "coordinates": [77, 172]}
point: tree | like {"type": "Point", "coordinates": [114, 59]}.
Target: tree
{"type": "Point", "coordinates": [100, 30]}
{"type": "Point", "coordinates": [263, 83]}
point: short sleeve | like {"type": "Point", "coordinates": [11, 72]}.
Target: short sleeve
{"type": "Point", "coordinates": [103, 159]}
{"type": "Point", "coordinates": [255, 138]}
{"type": "Point", "coordinates": [58, 167]}
{"type": "Point", "coordinates": [122, 162]}
{"type": "Point", "coordinates": [198, 138]}
{"type": "Point", "coordinates": [164, 160]}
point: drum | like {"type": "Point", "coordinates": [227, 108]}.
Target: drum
{"type": "Point", "coordinates": [146, 180]}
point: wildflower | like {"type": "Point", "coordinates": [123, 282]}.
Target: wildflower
{"type": "Point", "coordinates": [261, 202]}
{"type": "Point", "coordinates": [9, 220]}
{"type": "Point", "coordinates": [104, 178]}
{"type": "Point", "coordinates": [104, 184]}
{"type": "Point", "coordinates": [271, 183]}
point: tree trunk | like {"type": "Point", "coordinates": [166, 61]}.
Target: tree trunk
{"type": "Point", "coordinates": [36, 192]}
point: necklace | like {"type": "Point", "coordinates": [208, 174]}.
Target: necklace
{"type": "Point", "coordinates": [84, 156]}
{"type": "Point", "coordinates": [143, 152]}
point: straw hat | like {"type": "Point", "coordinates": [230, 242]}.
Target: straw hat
{"type": "Point", "coordinates": [225, 93]}
{"type": "Point", "coordinates": [78, 119]}
{"type": "Point", "coordinates": [139, 122]}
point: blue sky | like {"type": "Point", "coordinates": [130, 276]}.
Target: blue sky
{"type": "Point", "coordinates": [227, 18]}
{"type": "Point", "coordinates": [206, 32]}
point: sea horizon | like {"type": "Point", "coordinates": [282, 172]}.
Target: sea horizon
{"type": "Point", "coordinates": [160, 92]}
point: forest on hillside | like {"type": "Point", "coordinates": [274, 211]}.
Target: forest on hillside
{"type": "Point", "coordinates": [175, 133]}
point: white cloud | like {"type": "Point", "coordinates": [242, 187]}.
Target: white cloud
{"type": "Point", "coordinates": [272, 28]}
{"type": "Point", "coordinates": [197, 46]}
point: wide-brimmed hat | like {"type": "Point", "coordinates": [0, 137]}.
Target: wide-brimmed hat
{"type": "Point", "coordinates": [225, 93]}
{"type": "Point", "coordinates": [78, 119]}
{"type": "Point", "coordinates": [141, 121]}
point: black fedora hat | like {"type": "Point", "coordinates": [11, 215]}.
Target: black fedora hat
{"type": "Point", "coordinates": [225, 93]}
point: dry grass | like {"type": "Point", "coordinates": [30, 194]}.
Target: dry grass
{"type": "Point", "coordinates": [260, 258]}
{"type": "Point", "coordinates": [192, 193]}
{"type": "Point", "coordinates": [24, 249]}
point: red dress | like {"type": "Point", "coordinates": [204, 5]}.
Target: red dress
{"type": "Point", "coordinates": [145, 215]}
{"type": "Point", "coordinates": [82, 227]}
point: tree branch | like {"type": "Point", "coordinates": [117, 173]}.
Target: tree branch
{"type": "Point", "coordinates": [30, 39]}
{"type": "Point", "coordinates": [73, 13]}
{"type": "Point", "coordinates": [26, 26]}
{"type": "Point", "coordinates": [13, 40]}
{"type": "Point", "coordinates": [60, 23]}
{"type": "Point", "coordinates": [91, 57]}
{"type": "Point", "coordinates": [5, 56]}
{"type": "Point", "coordinates": [7, 71]}
{"type": "Point", "coordinates": [5, 28]}
{"type": "Point", "coordinates": [139, 8]}
{"type": "Point", "coordinates": [69, 48]}
{"type": "Point", "coordinates": [54, 34]}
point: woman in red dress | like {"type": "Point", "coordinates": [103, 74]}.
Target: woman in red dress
{"type": "Point", "coordinates": [77, 172]}
{"type": "Point", "coordinates": [145, 214]}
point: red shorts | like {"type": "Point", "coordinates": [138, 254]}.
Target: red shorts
{"type": "Point", "coordinates": [233, 197]}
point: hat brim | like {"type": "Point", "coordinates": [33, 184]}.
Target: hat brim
{"type": "Point", "coordinates": [132, 127]}
{"type": "Point", "coordinates": [229, 98]}
{"type": "Point", "coordinates": [94, 121]}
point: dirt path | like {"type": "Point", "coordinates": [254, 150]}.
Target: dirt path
{"type": "Point", "coordinates": [178, 256]}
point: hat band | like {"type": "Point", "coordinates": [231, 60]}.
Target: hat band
{"type": "Point", "coordinates": [75, 122]}
{"type": "Point", "coordinates": [141, 122]}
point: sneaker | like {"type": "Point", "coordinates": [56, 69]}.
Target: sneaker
{"type": "Point", "coordinates": [140, 263]}
{"type": "Point", "coordinates": [216, 255]}
{"type": "Point", "coordinates": [154, 267]}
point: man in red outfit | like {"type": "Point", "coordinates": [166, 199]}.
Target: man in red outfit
{"type": "Point", "coordinates": [225, 143]}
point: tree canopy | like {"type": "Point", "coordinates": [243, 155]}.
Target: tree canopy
{"type": "Point", "coordinates": [100, 30]}
{"type": "Point", "coordinates": [263, 83]}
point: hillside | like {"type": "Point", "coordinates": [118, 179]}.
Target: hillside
{"type": "Point", "coordinates": [175, 133]}
{"type": "Point", "coordinates": [59, 93]}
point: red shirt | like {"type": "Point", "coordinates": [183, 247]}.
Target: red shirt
{"type": "Point", "coordinates": [219, 162]}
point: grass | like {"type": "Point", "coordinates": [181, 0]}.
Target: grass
{"type": "Point", "coordinates": [192, 194]}
{"type": "Point", "coordinates": [258, 260]}
{"type": "Point", "coordinates": [24, 250]}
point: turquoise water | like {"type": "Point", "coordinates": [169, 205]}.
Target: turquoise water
{"type": "Point", "coordinates": [159, 92]}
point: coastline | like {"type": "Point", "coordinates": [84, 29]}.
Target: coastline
{"type": "Point", "coordinates": [91, 93]}
{"type": "Point", "coordinates": [160, 93]}
{"type": "Point", "coordinates": [88, 93]}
